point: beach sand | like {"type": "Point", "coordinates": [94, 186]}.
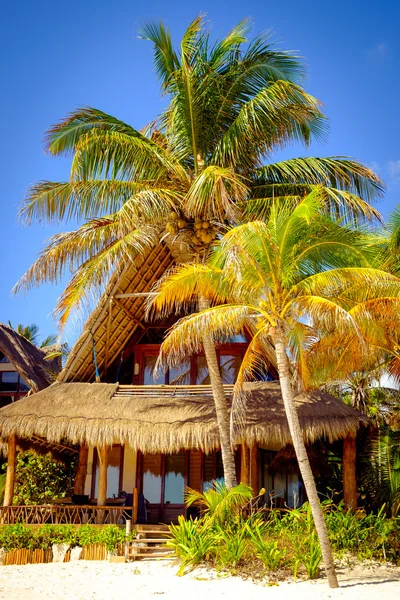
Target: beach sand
{"type": "Point", "coordinates": [93, 580]}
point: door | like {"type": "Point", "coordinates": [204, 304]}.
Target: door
{"type": "Point", "coordinates": [163, 480]}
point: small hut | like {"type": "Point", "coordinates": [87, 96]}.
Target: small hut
{"type": "Point", "coordinates": [28, 360]}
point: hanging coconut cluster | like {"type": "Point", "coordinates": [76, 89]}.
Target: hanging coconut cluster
{"type": "Point", "coordinates": [198, 233]}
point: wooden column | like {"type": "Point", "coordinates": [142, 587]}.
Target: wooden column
{"type": "Point", "coordinates": [349, 472]}
{"type": "Point", "coordinates": [80, 477]}
{"type": "Point", "coordinates": [244, 463]}
{"type": "Point", "coordinates": [135, 508]}
{"type": "Point", "coordinates": [254, 469]}
{"type": "Point", "coordinates": [102, 487]}
{"type": "Point", "coordinates": [10, 476]}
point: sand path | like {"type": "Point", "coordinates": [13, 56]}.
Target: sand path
{"type": "Point", "coordinates": [90, 580]}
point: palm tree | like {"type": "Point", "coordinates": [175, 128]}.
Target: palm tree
{"type": "Point", "coordinates": [194, 171]}
{"type": "Point", "coordinates": [288, 278]}
{"type": "Point", "coordinates": [31, 333]}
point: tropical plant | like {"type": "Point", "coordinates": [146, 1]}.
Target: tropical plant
{"type": "Point", "coordinates": [40, 479]}
{"type": "Point", "coordinates": [281, 542]}
{"type": "Point", "coordinates": [31, 333]}
{"type": "Point", "coordinates": [2, 487]}
{"type": "Point", "coordinates": [198, 168]}
{"type": "Point", "coordinates": [286, 279]}
{"type": "Point", "coordinates": [219, 502]}
{"type": "Point", "coordinates": [381, 473]}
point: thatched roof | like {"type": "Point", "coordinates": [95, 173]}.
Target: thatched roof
{"type": "Point", "coordinates": [29, 360]}
{"type": "Point", "coordinates": [117, 317]}
{"type": "Point", "coordinates": [167, 418]}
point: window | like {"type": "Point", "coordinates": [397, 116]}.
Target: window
{"type": "Point", "coordinates": [114, 471]}
{"type": "Point", "coordinates": [174, 478]}
{"type": "Point", "coordinates": [148, 374]}
{"type": "Point", "coordinates": [192, 372]}
{"type": "Point", "coordinates": [152, 477]}
{"type": "Point", "coordinates": [229, 367]}
{"type": "Point", "coordinates": [213, 470]}
{"type": "Point", "coordinates": [9, 381]}
{"type": "Point", "coordinates": [164, 477]}
{"type": "Point", "coordinates": [3, 359]}
{"type": "Point", "coordinates": [180, 375]}
{"type": "Point", "coordinates": [281, 488]}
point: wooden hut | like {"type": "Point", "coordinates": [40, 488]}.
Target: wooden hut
{"type": "Point", "coordinates": [156, 436]}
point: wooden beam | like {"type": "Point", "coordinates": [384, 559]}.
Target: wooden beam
{"type": "Point", "coordinates": [135, 295]}
{"type": "Point", "coordinates": [254, 470]}
{"type": "Point", "coordinates": [80, 478]}
{"type": "Point", "coordinates": [244, 463]}
{"type": "Point", "coordinates": [128, 312]}
{"type": "Point", "coordinates": [349, 472]}
{"type": "Point", "coordinates": [10, 476]}
{"type": "Point", "coordinates": [102, 486]}
{"type": "Point", "coordinates": [110, 303]}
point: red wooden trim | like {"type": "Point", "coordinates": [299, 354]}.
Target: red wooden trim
{"type": "Point", "coordinates": [202, 471]}
{"type": "Point", "coordinates": [139, 471]}
{"type": "Point", "coordinates": [162, 487]}
{"type": "Point", "coordinates": [121, 468]}
{"type": "Point", "coordinates": [94, 469]}
{"type": "Point", "coordinates": [186, 476]}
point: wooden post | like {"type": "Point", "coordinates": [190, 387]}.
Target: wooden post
{"type": "Point", "coordinates": [254, 469]}
{"type": "Point", "coordinates": [103, 465]}
{"type": "Point", "coordinates": [349, 472]}
{"type": "Point", "coordinates": [135, 505]}
{"type": "Point", "coordinates": [10, 477]}
{"type": "Point", "coordinates": [80, 478]}
{"type": "Point", "coordinates": [244, 464]}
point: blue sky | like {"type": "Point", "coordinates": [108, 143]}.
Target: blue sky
{"type": "Point", "coordinates": [57, 55]}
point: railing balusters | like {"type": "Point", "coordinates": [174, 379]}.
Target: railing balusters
{"type": "Point", "coordinates": [58, 514]}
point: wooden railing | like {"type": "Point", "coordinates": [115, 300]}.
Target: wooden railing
{"type": "Point", "coordinates": [58, 515]}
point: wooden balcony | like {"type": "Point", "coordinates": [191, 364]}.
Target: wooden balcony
{"type": "Point", "coordinates": [65, 515]}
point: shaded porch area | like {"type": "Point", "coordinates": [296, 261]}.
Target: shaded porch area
{"type": "Point", "coordinates": [172, 435]}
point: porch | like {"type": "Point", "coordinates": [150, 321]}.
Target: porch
{"type": "Point", "coordinates": [168, 439]}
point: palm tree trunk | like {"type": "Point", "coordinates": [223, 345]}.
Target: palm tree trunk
{"type": "Point", "coordinates": [221, 406]}
{"type": "Point", "coordinates": [301, 454]}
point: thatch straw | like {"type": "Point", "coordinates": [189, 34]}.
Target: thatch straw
{"type": "Point", "coordinates": [28, 360]}
{"type": "Point", "coordinates": [127, 315]}
{"type": "Point", "coordinates": [168, 418]}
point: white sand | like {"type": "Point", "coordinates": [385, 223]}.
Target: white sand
{"type": "Point", "coordinates": [92, 580]}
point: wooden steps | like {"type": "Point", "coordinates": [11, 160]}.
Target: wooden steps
{"type": "Point", "coordinates": [150, 543]}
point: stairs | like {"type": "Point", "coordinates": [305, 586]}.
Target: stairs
{"type": "Point", "coordinates": [150, 543]}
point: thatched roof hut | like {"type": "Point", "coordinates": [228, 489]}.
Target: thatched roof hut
{"type": "Point", "coordinates": [168, 418]}
{"type": "Point", "coordinates": [29, 360]}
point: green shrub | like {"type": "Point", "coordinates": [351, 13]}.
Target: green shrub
{"type": "Point", "coordinates": [228, 538]}
{"type": "Point", "coordinates": [40, 479]}
{"type": "Point", "coordinates": [14, 537]}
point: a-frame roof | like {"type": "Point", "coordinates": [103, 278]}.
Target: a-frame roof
{"type": "Point", "coordinates": [28, 360]}
{"type": "Point", "coordinates": [117, 317]}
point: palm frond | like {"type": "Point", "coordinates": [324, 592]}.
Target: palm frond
{"type": "Point", "coordinates": [342, 173]}
{"type": "Point", "coordinates": [166, 61]}
{"type": "Point", "coordinates": [63, 137]}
